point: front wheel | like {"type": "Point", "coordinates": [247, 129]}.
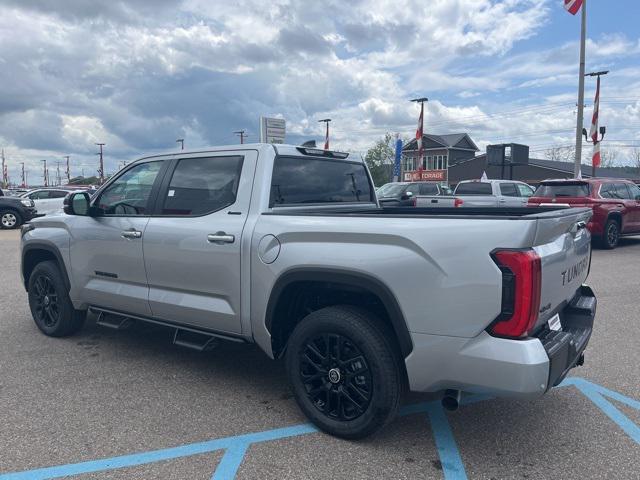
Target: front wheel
{"type": "Point", "coordinates": [50, 304]}
{"type": "Point", "coordinates": [344, 371]}
{"type": "Point", "coordinates": [10, 219]}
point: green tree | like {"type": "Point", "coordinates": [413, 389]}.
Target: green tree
{"type": "Point", "coordinates": [379, 159]}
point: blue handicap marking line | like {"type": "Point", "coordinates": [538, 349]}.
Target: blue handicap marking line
{"type": "Point", "coordinates": [230, 463]}
{"type": "Point", "coordinates": [235, 447]}
{"type": "Point", "coordinates": [452, 466]}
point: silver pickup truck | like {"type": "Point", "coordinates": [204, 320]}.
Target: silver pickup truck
{"type": "Point", "coordinates": [480, 193]}
{"type": "Point", "coordinates": [287, 247]}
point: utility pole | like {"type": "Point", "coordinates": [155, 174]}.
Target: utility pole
{"type": "Point", "coordinates": [241, 134]}
{"type": "Point", "coordinates": [181, 142]}
{"type": "Point", "coordinates": [44, 173]}
{"type": "Point", "coordinates": [58, 177]}
{"type": "Point", "coordinates": [326, 136]}
{"type": "Point", "coordinates": [420, 131]}
{"type": "Point", "coordinates": [68, 170]}
{"type": "Point", "coordinates": [24, 180]}
{"type": "Point", "coordinates": [101, 169]}
{"type": "Point", "coordinates": [594, 124]}
{"type": "Point", "coordinates": [583, 35]}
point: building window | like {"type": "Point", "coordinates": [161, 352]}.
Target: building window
{"type": "Point", "coordinates": [446, 162]}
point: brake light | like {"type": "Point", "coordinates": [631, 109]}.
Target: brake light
{"type": "Point", "coordinates": [521, 283]}
{"type": "Point", "coordinates": [458, 202]}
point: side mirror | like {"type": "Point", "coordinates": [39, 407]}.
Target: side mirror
{"type": "Point", "coordinates": [77, 204]}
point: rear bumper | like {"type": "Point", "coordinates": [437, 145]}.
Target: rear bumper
{"type": "Point", "coordinates": [565, 348]}
{"type": "Point", "coordinates": [499, 366]}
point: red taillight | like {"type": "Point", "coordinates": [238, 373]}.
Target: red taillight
{"type": "Point", "coordinates": [457, 202]}
{"type": "Point", "coordinates": [521, 272]}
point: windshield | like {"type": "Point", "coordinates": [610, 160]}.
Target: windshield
{"type": "Point", "coordinates": [391, 189]}
{"type": "Point", "coordinates": [554, 190]}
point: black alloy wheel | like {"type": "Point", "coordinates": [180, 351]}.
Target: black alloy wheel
{"type": "Point", "coordinates": [611, 234]}
{"type": "Point", "coordinates": [49, 301]}
{"type": "Point", "coordinates": [336, 376]}
{"type": "Point", "coordinates": [345, 370]}
{"type": "Point", "coordinates": [47, 308]}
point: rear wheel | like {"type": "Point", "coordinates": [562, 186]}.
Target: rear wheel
{"type": "Point", "coordinates": [50, 304]}
{"type": "Point", "coordinates": [10, 219]}
{"type": "Point", "coordinates": [611, 234]}
{"type": "Point", "coordinates": [344, 371]}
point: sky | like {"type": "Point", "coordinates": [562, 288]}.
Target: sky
{"type": "Point", "coordinates": [139, 74]}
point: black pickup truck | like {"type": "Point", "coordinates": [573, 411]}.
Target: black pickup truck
{"type": "Point", "coordinates": [15, 211]}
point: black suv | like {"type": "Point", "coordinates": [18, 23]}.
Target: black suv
{"type": "Point", "coordinates": [15, 211]}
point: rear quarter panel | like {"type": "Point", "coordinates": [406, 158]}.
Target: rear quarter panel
{"type": "Point", "coordinates": [439, 270]}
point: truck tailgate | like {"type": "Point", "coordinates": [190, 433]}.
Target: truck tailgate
{"type": "Point", "coordinates": [563, 244]}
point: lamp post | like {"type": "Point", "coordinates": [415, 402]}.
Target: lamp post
{"type": "Point", "coordinates": [181, 142]}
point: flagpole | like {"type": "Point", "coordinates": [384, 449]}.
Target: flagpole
{"type": "Point", "coordinates": [577, 173]}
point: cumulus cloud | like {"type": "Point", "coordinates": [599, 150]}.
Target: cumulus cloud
{"type": "Point", "coordinates": [138, 74]}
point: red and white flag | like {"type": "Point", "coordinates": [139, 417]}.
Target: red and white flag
{"type": "Point", "coordinates": [593, 132]}
{"type": "Point", "coordinates": [419, 136]}
{"type": "Point", "coordinates": [572, 6]}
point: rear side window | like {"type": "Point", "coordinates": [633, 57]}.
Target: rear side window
{"type": "Point", "coordinates": [554, 190]}
{"type": "Point", "coordinates": [474, 188]}
{"type": "Point", "coordinates": [202, 185]}
{"type": "Point", "coordinates": [308, 180]}
{"type": "Point", "coordinates": [509, 190]}
{"type": "Point", "coordinates": [635, 191]}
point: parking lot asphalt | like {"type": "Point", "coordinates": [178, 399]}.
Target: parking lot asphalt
{"type": "Point", "coordinates": [129, 404]}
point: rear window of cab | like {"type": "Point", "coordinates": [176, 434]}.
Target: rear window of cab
{"type": "Point", "coordinates": [554, 190]}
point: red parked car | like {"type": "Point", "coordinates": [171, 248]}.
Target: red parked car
{"type": "Point", "coordinates": [615, 204]}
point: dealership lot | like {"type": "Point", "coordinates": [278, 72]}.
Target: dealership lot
{"type": "Point", "coordinates": [129, 404]}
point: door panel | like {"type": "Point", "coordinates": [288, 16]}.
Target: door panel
{"type": "Point", "coordinates": [106, 251]}
{"type": "Point", "coordinates": [108, 267]}
{"type": "Point", "coordinates": [193, 258]}
{"type": "Point", "coordinates": [634, 207]}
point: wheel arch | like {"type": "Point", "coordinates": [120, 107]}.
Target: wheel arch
{"type": "Point", "coordinates": [292, 293]}
{"type": "Point", "coordinates": [35, 253]}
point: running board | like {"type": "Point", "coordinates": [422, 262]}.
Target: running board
{"type": "Point", "coordinates": [184, 336]}
{"type": "Point", "coordinates": [115, 322]}
{"type": "Point", "coordinates": [197, 341]}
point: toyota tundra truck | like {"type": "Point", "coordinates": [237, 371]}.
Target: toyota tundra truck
{"type": "Point", "coordinates": [287, 247]}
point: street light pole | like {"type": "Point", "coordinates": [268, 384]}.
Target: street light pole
{"type": "Point", "coordinates": [101, 169]}
{"type": "Point", "coordinates": [181, 142]}
{"type": "Point", "coordinates": [580, 119]}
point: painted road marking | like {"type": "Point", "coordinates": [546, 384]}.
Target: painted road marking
{"type": "Point", "coordinates": [236, 447]}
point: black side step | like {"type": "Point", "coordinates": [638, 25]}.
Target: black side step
{"type": "Point", "coordinates": [195, 340]}
{"type": "Point", "coordinates": [115, 322]}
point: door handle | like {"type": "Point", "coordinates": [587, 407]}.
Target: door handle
{"type": "Point", "coordinates": [220, 238]}
{"type": "Point", "coordinates": [131, 234]}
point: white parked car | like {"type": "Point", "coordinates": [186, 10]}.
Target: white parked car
{"type": "Point", "coordinates": [48, 200]}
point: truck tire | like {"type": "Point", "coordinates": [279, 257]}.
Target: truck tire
{"type": "Point", "coordinates": [345, 371]}
{"type": "Point", "coordinates": [50, 304]}
{"type": "Point", "coordinates": [9, 219]}
{"type": "Point", "coordinates": [610, 235]}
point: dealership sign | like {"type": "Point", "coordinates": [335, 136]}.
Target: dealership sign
{"type": "Point", "coordinates": [272, 130]}
{"type": "Point", "coordinates": [425, 176]}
